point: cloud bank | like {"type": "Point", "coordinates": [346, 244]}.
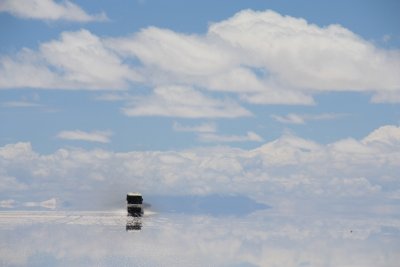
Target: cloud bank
{"type": "Point", "coordinates": [289, 167]}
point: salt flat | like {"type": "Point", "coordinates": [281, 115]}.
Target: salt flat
{"type": "Point", "coordinates": [263, 238]}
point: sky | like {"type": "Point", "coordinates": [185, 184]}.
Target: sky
{"type": "Point", "coordinates": [299, 98]}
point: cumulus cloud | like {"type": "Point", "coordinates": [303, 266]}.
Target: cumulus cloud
{"type": "Point", "coordinates": [192, 54]}
{"type": "Point", "coordinates": [48, 10]}
{"type": "Point", "coordinates": [96, 136]}
{"type": "Point", "coordinates": [184, 102]}
{"type": "Point", "coordinates": [78, 60]}
{"type": "Point", "coordinates": [388, 135]}
{"type": "Point", "coordinates": [266, 57]}
{"type": "Point", "coordinates": [288, 166]}
{"type": "Point", "coordinates": [262, 57]}
{"type": "Point", "coordinates": [293, 118]}
{"type": "Point", "coordinates": [304, 55]}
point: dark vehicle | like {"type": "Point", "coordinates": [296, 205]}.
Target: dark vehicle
{"type": "Point", "coordinates": [134, 204]}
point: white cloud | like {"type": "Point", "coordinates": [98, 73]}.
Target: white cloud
{"type": "Point", "coordinates": [305, 56]}
{"type": "Point", "coordinates": [266, 57]}
{"type": "Point", "coordinates": [193, 55]}
{"type": "Point", "coordinates": [19, 150]}
{"type": "Point", "coordinates": [355, 186]}
{"type": "Point", "coordinates": [289, 167]}
{"type": "Point", "coordinates": [10, 183]}
{"type": "Point", "coordinates": [263, 57]}
{"type": "Point", "coordinates": [386, 97]}
{"type": "Point", "coordinates": [207, 132]}
{"type": "Point", "coordinates": [387, 135]}
{"type": "Point", "coordinates": [8, 203]}
{"type": "Point", "coordinates": [26, 101]}
{"type": "Point", "coordinates": [216, 138]}
{"type": "Point", "coordinates": [293, 118]}
{"type": "Point", "coordinates": [79, 60]}
{"type": "Point", "coordinates": [85, 60]}
{"type": "Point", "coordinates": [290, 118]}
{"type": "Point", "coordinates": [96, 136]}
{"type": "Point", "coordinates": [184, 102]}
{"type": "Point", "coordinates": [26, 69]}
{"type": "Point", "coordinates": [48, 204]}
{"type": "Point", "coordinates": [48, 10]}
{"type": "Point", "coordinates": [289, 150]}
{"type": "Point", "coordinates": [278, 95]}
{"type": "Point", "coordinates": [201, 128]}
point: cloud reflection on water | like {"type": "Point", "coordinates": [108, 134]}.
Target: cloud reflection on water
{"type": "Point", "coordinates": [215, 205]}
{"type": "Point", "coordinates": [263, 238]}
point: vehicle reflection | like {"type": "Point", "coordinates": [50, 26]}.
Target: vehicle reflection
{"type": "Point", "coordinates": [134, 220]}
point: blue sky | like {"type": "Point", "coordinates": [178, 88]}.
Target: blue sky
{"type": "Point", "coordinates": [333, 114]}
{"type": "Point", "coordinates": [247, 81]}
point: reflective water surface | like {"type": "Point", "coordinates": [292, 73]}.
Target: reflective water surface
{"type": "Point", "coordinates": [262, 238]}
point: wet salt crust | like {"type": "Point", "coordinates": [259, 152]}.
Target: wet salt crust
{"type": "Point", "coordinates": [262, 238]}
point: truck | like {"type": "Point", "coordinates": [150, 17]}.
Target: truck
{"type": "Point", "coordinates": [134, 204]}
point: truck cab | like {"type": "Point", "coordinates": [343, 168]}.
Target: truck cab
{"type": "Point", "coordinates": [134, 204]}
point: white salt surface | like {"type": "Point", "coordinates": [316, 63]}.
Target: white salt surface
{"type": "Point", "coordinates": [264, 238]}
